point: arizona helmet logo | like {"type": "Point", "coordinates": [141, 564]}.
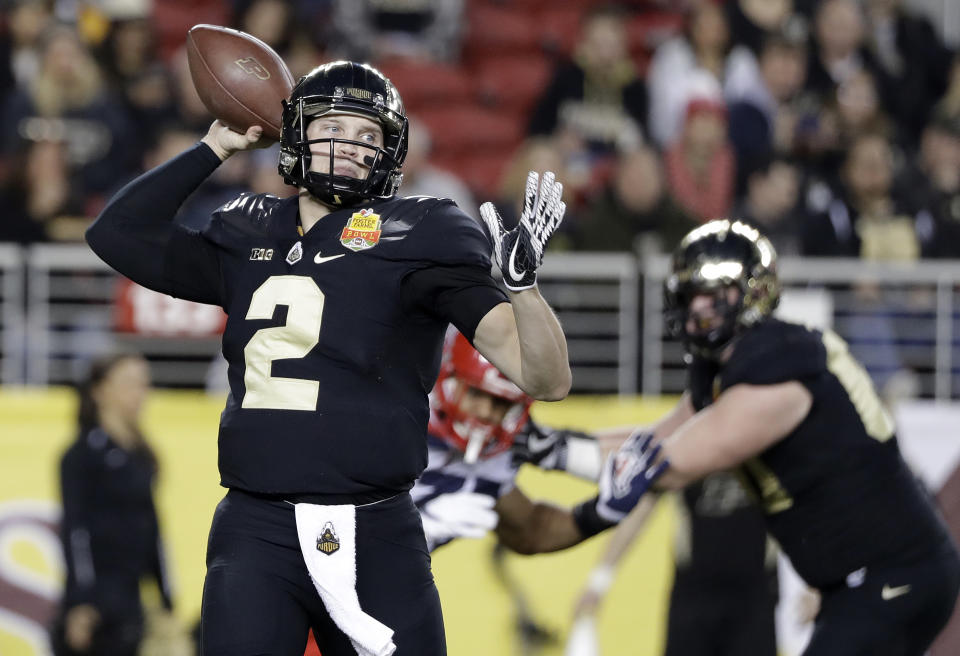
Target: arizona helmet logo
{"type": "Point", "coordinates": [328, 542]}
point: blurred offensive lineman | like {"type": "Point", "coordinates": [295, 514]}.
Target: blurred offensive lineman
{"type": "Point", "coordinates": [790, 409]}
{"type": "Point", "coordinates": [480, 433]}
{"type": "Point", "coordinates": [337, 302]}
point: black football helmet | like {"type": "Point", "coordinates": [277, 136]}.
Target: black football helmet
{"type": "Point", "coordinates": [344, 87]}
{"type": "Point", "coordinates": [718, 255]}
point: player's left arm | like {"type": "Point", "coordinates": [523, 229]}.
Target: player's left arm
{"type": "Point", "coordinates": [523, 339]}
{"type": "Point", "coordinates": [530, 527]}
{"type": "Point", "coordinates": [744, 421]}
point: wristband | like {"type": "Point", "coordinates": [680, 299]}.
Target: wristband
{"type": "Point", "coordinates": [583, 458]}
{"type": "Point", "coordinates": [588, 521]}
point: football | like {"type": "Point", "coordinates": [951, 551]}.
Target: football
{"type": "Point", "coordinates": [240, 79]}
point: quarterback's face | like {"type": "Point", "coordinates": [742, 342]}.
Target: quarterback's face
{"type": "Point", "coordinates": [348, 158]}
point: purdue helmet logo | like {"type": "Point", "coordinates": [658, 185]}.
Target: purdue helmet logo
{"type": "Point", "coordinates": [328, 542]}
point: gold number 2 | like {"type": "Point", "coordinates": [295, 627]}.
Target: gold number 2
{"type": "Point", "coordinates": [294, 339]}
{"type": "Point", "coordinates": [855, 380]}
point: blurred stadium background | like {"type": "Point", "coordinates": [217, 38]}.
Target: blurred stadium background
{"type": "Point", "coordinates": [833, 125]}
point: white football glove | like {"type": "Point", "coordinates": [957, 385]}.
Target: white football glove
{"type": "Point", "coordinates": [457, 515]}
{"type": "Point", "coordinates": [519, 252]}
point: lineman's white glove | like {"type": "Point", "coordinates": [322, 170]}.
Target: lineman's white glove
{"type": "Point", "coordinates": [457, 515]}
{"type": "Point", "coordinates": [519, 252]}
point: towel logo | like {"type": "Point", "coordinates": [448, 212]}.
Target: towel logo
{"type": "Point", "coordinates": [328, 542]}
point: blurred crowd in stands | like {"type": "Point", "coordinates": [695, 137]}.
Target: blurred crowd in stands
{"type": "Point", "coordinates": [832, 124]}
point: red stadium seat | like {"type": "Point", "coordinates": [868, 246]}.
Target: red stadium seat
{"type": "Point", "coordinates": [466, 129]}
{"type": "Point", "coordinates": [559, 27]}
{"type": "Point", "coordinates": [424, 83]}
{"type": "Point", "coordinates": [500, 30]}
{"type": "Point", "coordinates": [173, 18]}
{"type": "Point", "coordinates": [647, 30]}
{"type": "Point", "coordinates": [514, 83]}
{"type": "Point", "coordinates": [482, 172]}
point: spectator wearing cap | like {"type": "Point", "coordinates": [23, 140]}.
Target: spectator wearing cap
{"type": "Point", "coordinates": [700, 164]}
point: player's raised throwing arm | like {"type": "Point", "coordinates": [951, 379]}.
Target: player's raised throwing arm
{"type": "Point", "coordinates": [135, 233]}
{"type": "Point", "coordinates": [524, 340]}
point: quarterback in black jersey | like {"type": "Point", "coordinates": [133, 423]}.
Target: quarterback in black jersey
{"type": "Point", "coordinates": [796, 416]}
{"type": "Point", "coordinates": [337, 302]}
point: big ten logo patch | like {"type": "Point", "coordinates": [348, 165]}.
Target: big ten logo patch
{"type": "Point", "coordinates": [252, 67]}
{"type": "Point", "coordinates": [31, 575]}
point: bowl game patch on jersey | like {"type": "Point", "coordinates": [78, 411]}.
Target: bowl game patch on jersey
{"type": "Point", "coordinates": [362, 231]}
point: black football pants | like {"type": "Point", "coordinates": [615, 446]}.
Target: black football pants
{"type": "Point", "coordinates": [258, 598]}
{"type": "Point", "coordinates": [702, 622]}
{"type": "Point", "coordinates": [895, 611]}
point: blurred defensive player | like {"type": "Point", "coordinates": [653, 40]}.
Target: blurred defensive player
{"type": "Point", "coordinates": [480, 433]}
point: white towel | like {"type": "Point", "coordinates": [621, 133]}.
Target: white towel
{"type": "Point", "coordinates": [328, 543]}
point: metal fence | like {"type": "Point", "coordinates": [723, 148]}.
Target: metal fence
{"type": "Point", "coordinates": [902, 321]}
{"type": "Point", "coordinates": [12, 315]}
{"type": "Point", "coordinates": [70, 318]}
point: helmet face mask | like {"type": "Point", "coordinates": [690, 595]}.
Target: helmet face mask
{"type": "Point", "coordinates": [467, 382]}
{"type": "Point", "coordinates": [726, 269]}
{"type": "Point", "coordinates": [344, 88]}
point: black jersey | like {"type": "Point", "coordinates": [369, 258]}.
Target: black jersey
{"type": "Point", "coordinates": [110, 533]}
{"type": "Point", "coordinates": [836, 492]}
{"type": "Point", "coordinates": [333, 342]}
{"type": "Point", "coordinates": [333, 338]}
{"type": "Point", "coordinates": [721, 542]}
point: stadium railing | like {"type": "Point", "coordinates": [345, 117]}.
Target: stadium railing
{"type": "Point", "coordinates": [901, 320]}
{"type": "Point", "coordinates": [13, 316]}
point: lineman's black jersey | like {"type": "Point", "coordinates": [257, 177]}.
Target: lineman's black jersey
{"type": "Point", "coordinates": [721, 541]}
{"type": "Point", "coordinates": [836, 492]}
{"type": "Point", "coordinates": [333, 338]}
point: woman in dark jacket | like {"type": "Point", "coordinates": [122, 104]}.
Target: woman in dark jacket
{"type": "Point", "coordinates": [110, 534]}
